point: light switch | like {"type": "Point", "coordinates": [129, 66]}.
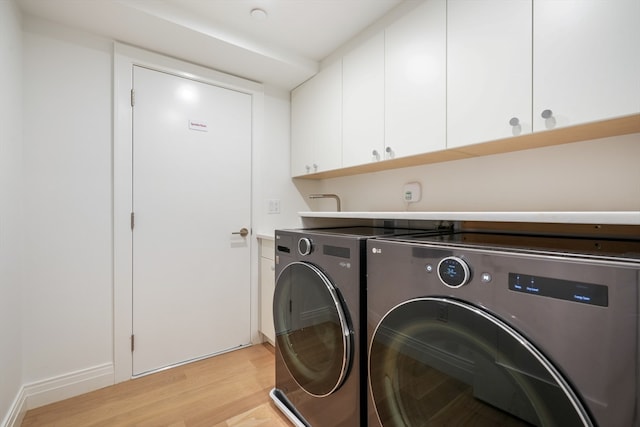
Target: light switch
{"type": "Point", "coordinates": [274, 206]}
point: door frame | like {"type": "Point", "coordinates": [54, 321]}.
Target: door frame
{"type": "Point", "coordinates": [125, 57]}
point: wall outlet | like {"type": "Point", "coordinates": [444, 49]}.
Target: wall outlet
{"type": "Point", "coordinates": [274, 206]}
{"type": "Point", "coordinates": [412, 192]}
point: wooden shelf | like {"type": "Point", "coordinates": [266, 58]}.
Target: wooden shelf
{"type": "Point", "coordinates": [595, 130]}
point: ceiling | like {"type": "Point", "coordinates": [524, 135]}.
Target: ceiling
{"type": "Point", "coordinates": [283, 49]}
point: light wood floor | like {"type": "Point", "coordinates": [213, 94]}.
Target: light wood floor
{"type": "Point", "coordinates": [228, 390]}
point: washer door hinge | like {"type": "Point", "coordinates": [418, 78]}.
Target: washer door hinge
{"type": "Point", "coordinates": [133, 97]}
{"type": "Point", "coordinates": [133, 220]}
{"type": "Point", "coordinates": [132, 342]}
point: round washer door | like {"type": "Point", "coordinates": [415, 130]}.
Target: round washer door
{"type": "Point", "coordinates": [439, 361]}
{"type": "Point", "coordinates": [313, 334]}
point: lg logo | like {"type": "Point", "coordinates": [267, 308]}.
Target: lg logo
{"type": "Point", "coordinates": [376, 250]}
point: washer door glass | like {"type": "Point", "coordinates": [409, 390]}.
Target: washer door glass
{"type": "Point", "coordinates": [312, 329]}
{"type": "Point", "coordinates": [438, 361]}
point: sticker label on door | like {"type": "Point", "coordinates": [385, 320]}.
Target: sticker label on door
{"type": "Point", "coordinates": [198, 125]}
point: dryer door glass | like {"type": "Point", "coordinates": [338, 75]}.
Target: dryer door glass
{"type": "Point", "coordinates": [438, 361]}
{"type": "Point", "coordinates": [312, 328]}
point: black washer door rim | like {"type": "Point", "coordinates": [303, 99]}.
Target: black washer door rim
{"type": "Point", "coordinates": [297, 371]}
{"type": "Point", "coordinates": [515, 335]}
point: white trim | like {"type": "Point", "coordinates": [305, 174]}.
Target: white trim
{"type": "Point", "coordinates": [68, 385]}
{"type": "Point", "coordinates": [125, 57]}
{"type": "Point", "coordinates": [17, 410]}
{"type": "Point", "coordinates": [58, 388]}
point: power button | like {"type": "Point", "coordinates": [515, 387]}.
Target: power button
{"type": "Point", "coordinates": [485, 277]}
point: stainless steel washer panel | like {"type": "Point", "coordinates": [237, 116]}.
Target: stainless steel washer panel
{"type": "Point", "coordinates": [594, 347]}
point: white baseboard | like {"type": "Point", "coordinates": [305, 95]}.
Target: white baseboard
{"type": "Point", "coordinates": [17, 411]}
{"type": "Point", "coordinates": [58, 388]}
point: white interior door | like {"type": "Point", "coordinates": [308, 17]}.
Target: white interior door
{"type": "Point", "coordinates": [191, 191]}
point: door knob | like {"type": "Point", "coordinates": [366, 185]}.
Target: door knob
{"type": "Point", "coordinates": [243, 232]}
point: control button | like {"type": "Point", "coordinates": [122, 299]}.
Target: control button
{"type": "Point", "coordinates": [429, 268]}
{"type": "Point", "coordinates": [305, 246]}
{"type": "Point", "coordinates": [453, 272]}
{"type": "Point", "coordinates": [486, 277]}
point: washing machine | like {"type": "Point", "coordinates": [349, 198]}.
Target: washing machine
{"type": "Point", "coordinates": [318, 312]}
{"type": "Point", "coordinates": [490, 329]}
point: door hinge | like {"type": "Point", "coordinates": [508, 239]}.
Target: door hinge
{"type": "Point", "coordinates": [133, 220]}
{"type": "Point", "coordinates": [133, 97]}
{"type": "Point", "coordinates": [132, 343]}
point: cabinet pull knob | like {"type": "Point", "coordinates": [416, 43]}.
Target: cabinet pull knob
{"type": "Point", "coordinates": [546, 114]}
{"type": "Point", "coordinates": [514, 121]}
{"type": "Point", "coordinates": [389, 152]}
{"type": "Point", "coordinates": [375, 155]}
{"type": "Point", "coordinates": [308, 168]}
{"type": "Point", "coordinates": [315, 167]}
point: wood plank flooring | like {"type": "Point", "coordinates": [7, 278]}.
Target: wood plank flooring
{"type": "Point", "coordinates": [229, 390]}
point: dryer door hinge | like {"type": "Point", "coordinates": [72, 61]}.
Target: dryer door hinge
{"type": "Point", "coordinates": [133, 97]}
{"type": "Point", "coordinates": [133, 220]}
{"type": "Point", "coordinates": [132, 342]}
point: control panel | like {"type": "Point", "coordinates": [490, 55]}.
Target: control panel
{"type": "Point", "coordinates": [453, 272]}
{"type": "Point", "coordinates": [305, 246]}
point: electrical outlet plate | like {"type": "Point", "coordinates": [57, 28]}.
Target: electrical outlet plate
{"type": "Point", "coordinates": [274, 206]}
{"type": "Point", "coordinates": [412, 192]}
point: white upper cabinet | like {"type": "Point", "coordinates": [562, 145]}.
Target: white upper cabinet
{"type": "Point", "coordinates": [415, 81]}
{"type": "Point", "coordinates": [316, 123]}
{"type": "Point", "coordinates": [452, 73]}
{"type": "Point", "coordinates": [586, 61]}
{"type": "Point", "coordinates": [488, 70]}
{"type": "Point", "coordinates": [363, 103]}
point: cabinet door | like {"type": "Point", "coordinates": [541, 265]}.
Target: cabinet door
{"type": "Point", "coordinates": [316, 123]}
{"type": "Point", "coordinates": [415, 81]}
{"type": "Point", "coordinates": [586, 60]}
{"type": "Point", "coordinates": [267, 287]}
{"type": "Point", "coordinates": [302, 116]}
{"type": "Point", "coordinates": [363, 103]}
{"type": "Point", "coordinates": [489, 70]}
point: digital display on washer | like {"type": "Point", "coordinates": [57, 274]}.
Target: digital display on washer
{"type": "Point", "coordinates": [586, 293]}
{"type": "Point", "coordinates": [452, 272]}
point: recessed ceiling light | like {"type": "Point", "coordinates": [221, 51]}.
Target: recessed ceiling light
{"type": "Point", "coordinates": [258, 14]}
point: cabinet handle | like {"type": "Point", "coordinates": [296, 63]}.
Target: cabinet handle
{"type": "Point", "coordinates": [546, 114]}
{"type": "Point", "coordinates": [315, 167]}
{"type": "Point", "coordinates": [389, 152]}
{"type": "Point", "coordinates": [514, 121]}
{"type": "Point", "coordinates": [375, 155]}
{"type": "Point", "coordinates": [308, 168]}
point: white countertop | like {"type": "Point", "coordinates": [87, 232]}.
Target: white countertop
{"type": "Point", "coordinates": [264, 236]}
{"type": "Point", "coordinates": [595, 217]}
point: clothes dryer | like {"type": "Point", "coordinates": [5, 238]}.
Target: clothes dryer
{"type": "Point", "coordinates": [490, 330]}
{"type": "Point", "coordinates": [318, 311]}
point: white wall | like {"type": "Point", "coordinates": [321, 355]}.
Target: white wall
{"type": "Point", "coordinates": [11, 223]}
{"type": "Point", "coordinates": [67, 292]}
{"type": "Point", "coordinates": [597, 175]}
{"type": "Point", "coordinates": [272, 167]}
